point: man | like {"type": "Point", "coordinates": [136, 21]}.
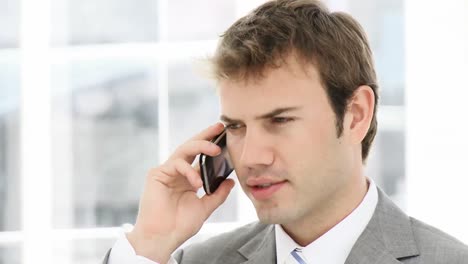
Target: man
{"type": "Point", "coordinates": [298, 95]}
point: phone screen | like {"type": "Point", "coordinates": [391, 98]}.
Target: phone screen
{"type": "Point", "coordinates": [214, 170]}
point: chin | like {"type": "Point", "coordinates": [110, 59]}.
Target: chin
{"type": "Point", "coordinates": [273, 216]}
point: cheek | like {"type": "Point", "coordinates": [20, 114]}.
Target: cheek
{"type": "Point", "coordinates": [308, 142]}
{"type": "Point", "coordinates": [234, 146]}
{"type": "Point", "coordinates": [310, 149]}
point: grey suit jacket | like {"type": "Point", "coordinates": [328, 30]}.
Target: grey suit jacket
{"type": "Point", "coordinates": [391, 237]}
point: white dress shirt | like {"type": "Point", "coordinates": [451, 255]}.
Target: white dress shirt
{"type": "Point", "coordinates": [333, 247]}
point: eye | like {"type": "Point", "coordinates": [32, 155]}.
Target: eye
{"type": "Point", "coordinates": [281, 120]}
{"type": "Point", "coordinates": [233, 126]}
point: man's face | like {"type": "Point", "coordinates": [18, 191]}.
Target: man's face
{"type": "Point", "coordinates": [282, 139]}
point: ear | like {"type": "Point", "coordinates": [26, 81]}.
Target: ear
{"type": "Point", "coordinates": [359, 113]}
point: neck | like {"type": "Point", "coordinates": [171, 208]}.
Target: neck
{"type": "Point", "coordinates": [307, 229]}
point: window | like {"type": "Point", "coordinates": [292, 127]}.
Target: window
{"type": "Point", "coordinates": [10, 246]}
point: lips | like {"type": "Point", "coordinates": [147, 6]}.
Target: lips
{"type": "Point", "coordinates": [262, 182]}
{"type": "Point", "coordinates": [264, 188]}
{"type": "Point", "coordinates": [264, 185]}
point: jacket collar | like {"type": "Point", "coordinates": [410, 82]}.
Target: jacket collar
{"type": "Point", "coordinates": [387, 238]}
{"type": "Point", "coordinates": [261, 248]}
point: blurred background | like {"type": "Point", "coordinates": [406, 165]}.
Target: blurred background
{"type": "Point", "coordinates": [94, 93]}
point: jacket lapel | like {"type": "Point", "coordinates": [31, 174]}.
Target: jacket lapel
{"type": "Point", "coordinates": [387, 238]}
{"type": "Point", "coordinates": [261, 249]}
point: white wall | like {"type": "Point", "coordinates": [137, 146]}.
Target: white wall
{"type": "Point", "coordinates": [437, 122]}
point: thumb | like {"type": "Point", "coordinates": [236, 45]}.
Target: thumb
{"type": "Point", "coordinates": [213, 201]}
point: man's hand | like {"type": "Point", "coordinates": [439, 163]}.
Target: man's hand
{"type": "Point", "coordinates": [170, 211]}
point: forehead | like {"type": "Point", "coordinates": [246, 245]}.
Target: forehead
{"type": "Point", "coordinates": [290, 85]}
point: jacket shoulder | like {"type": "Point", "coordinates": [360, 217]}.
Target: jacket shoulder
{"type": "Point", "coordinates": [221, 248]}
{"type": "Point", "coordinates": [434, 245]}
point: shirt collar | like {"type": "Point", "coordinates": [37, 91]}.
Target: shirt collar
{"type": "Point", "coordinates": [335, 245]}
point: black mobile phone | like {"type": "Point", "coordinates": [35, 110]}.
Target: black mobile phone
{"type": "Point", "coordinates": [214, 170]}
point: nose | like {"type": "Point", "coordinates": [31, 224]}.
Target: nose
{"type": "Point", "coordinates": [257, 150]}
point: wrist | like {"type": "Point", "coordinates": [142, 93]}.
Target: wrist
{"type": "Point", "coordinates": [155, 248]}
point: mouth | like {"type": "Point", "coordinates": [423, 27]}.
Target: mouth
{"type": "Point", "coordinates": [263, 191]}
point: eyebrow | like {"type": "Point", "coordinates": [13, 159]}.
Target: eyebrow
{"type": "Point", "coordinates": [268, 115]}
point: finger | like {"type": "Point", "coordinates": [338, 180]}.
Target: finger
{"type": "Point", "coordinates": [196, 166]}
{"type": "Point", "coordinates": [189, 172]}
{"type": "Point", "coordinates": [213, 201]}
{"type": "Point", "coordinates": [209, 132]}
{"type": "Point", "coordinates": [191, 149]}
{"type": "Point", "coordinates": [179, 167]}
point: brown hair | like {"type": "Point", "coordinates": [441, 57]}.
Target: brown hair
{"type": "Point", "coordinates": [333, 42]}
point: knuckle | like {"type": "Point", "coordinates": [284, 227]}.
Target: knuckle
{"type": "Point", "coordinates": [153, 171]}
{"type": "Point", "coordinates": [166, 164]}
{"type": "Point", "coordinates": [177, 150]}
{"type": "Point", "coordinates": [179, 162]}
{"type": "Point", "coordinates": [206, 145]}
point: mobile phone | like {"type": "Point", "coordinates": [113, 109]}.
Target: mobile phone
{"type": "Point", "coordinates": [214, 170]}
